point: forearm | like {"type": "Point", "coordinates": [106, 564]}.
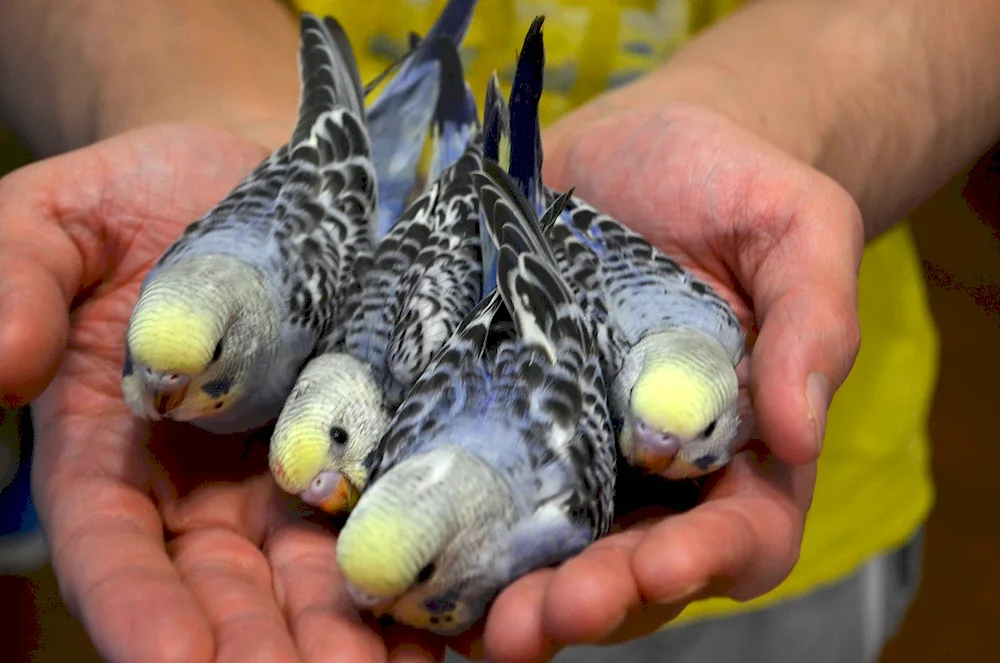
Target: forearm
{"type": "Point", "coordinates": [75, 71]}
{"type": "Point", "coordinates": [888, 97]}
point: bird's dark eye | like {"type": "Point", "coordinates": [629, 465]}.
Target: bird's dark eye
{"type": "Point", "coordinates": [338, 436]}
{"type": "Point", "coordinates": [426, 573]}
{"type": "Point", "coordinates": [711, 429]}
{"type": "Point", "coordinates": [219, 404]}
{"type": "Point", "coordinates": [218, 351]}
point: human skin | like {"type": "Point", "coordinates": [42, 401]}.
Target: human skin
{"type": "Point", "coordinates": [762, 155]}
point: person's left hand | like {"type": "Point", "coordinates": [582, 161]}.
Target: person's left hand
{"type": "Point", "coordinates": [782, 242]}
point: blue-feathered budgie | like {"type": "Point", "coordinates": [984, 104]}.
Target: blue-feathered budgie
{"type": "Point", "coordinates": [400, 118]}
{"type": "Point", "coordinates": [670, 345]}
{"type": "Point", "coordinates": [424, 278]}
{"type": "Point", "coordinates": [501, 460]}
{"type": "Point", "coordinates": [229, 313]}
{"type": "Point", "coordinates": [669, 342]}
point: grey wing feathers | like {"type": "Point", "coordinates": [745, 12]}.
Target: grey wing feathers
{"type": "Point", "coordinates": [370, 328]}
{"type": "Point", "coordinates": [324, 210]}
{"type": "Point", "coordinates": [444, 282]}
{"type": "Point", "coordinates": [582, 270]}
{"type": "Point", "coordinates": [631, 266]}
{"type": "Point", "coordinates": [572, 393]}
{"type": "Point", "coordinates": [455, 376]}
{"type": "Point", "coordinates": [496, 187]}
{"type": "Point", "coordinates": [328, 72]}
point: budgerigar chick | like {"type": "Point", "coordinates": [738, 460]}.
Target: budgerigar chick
{"type": "Point", "coordinates": [501, 460]}
{"type": "Point", "coordinates": [424, 278]}
{"type": "Point", "coordinates": [229, 313]}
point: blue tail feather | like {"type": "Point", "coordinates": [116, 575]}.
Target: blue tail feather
{"type": "Point", "coordinates": [525, 127]}
{"type": "Point", "coordinates": [456, 117]}
{"type": "Point", "coordinates": [400, 119]}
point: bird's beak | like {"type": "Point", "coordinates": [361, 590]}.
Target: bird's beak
{"type": "Point", "coordinates": [166, 401]}
{"type": "Point", "coordinates": [342, 499]}
{"type": "Point", "coordinates": [652, 450]}
{"type": "Point", "coordinates": [378, 605]}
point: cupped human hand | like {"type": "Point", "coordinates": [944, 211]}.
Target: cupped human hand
{"type": "Point", "coordinates": [783, 243]}
{"type": "Point", "coordinates": [168, 544]}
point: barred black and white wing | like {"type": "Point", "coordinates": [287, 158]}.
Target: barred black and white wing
{"type": "Point", "coordinates": [642, 289]}
{"type": "Point", "coordinates": [568, 391]}
{"type": "Point", "coordinates": [444, 283]}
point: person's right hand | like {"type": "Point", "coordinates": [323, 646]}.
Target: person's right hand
{"type": "Point", "coordinates": [168, 544]}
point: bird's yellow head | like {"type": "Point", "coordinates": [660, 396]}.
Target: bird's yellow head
{"type": "Point", "coordinates": [331, 423]}
{"type": "Point", "coordinates": [413, 545]}
{"type": "Point", "coordinates": [682, 410]}
{"type": "Point", "coordinates": [192, 336]}
{"type": "Point", "coordinates": [170, 336]}
{"type": "Point", "coordinates": [385, 545]}
{"type": "Point", "coordinates": [303, 464]}
{"type": "Point", "coordinates": [673, 396]}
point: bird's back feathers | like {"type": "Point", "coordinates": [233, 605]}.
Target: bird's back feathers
{"type": "Point", "coordinates": [328, 73]}
{"type": "Point", "coordinates": [304, 214]}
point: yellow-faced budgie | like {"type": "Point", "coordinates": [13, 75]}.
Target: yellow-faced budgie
{"type": "Point", "coordinates": [230, 312]}
{"type": "Point", "coordinates": [423, 279]}
{"type": "Point", "coordinates": [668, 341]}
{"type": "Point", "coordinates": [501, 459]}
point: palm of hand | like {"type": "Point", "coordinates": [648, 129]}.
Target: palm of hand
{"type": "Point", "coordinates": [170, 544]}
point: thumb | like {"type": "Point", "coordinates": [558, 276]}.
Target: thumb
{"type": "Point", "coordinates": [805, 298]}
{"type": "Point", "coordinates": [41, 270]}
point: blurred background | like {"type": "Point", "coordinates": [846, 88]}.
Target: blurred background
{"type": "Point", "coordinates": [955, 614]}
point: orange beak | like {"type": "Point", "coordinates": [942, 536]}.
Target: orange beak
{"type": "Point", "coordinates": [165, 401]}
{"type": "Point", "coordinates": [342, 499]}
{"type": "Point", "coordinates": [649, 460]}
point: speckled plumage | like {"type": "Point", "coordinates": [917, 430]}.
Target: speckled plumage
{"type": "Point", "coordinates": [668, 341]}
{"type": "Point", "coordinates": [296, 223]}
{"type": "Point", "coordinates": [527, 406]}
{"type": "Point", "coordinates": [640, 288]}
{"type": "Point", "coordinates": [408, 297]}
{"type": "Point", "coordinates": [425, 277]}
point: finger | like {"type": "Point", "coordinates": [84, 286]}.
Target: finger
{"type": "Point", "coordinates": [740, 543]}
{"type": "Point", "coordinates": [515, 630]}
{"type": "Point", "coordinates": [115, 575]}
{"type": "Point", "coordinates": [805, 297]}
{"type": "Point", "coordinates": [33, 328]}
{"type": "Point", "coordinates": [310, 589]}
{"type": "Point", "coordinates": [231, 580]}
{"type": "Point", "coordinates": [42, 267]}
{"type": "Point", "coordinates": [591, 595]}
{"type": "Point", "coordinates": [407, 645]}
{"type": "Point", "coordinates": [106, 536]}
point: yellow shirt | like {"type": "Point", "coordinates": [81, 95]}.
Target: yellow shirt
{"type": "Point", "coordinates": [874, 485]}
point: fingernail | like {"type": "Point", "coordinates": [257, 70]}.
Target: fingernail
{"type": "Point", "coordinates": [687, 593]}
{"type": "Point", "coordinates": [818, 396]}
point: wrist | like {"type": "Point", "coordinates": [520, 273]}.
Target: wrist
{"type": "Point", "coordinates": [268, 125]}
{"type": "Point", "coordinates": [115, 66]}
{"type": "Point", "coordinates": [798, 126]}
